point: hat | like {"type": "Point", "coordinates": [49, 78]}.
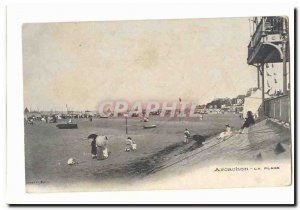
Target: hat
{"type": "Point", "coordinates": [227, 125]}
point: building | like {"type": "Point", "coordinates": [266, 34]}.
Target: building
{"type": "Point", "coordinates": [269, 45]}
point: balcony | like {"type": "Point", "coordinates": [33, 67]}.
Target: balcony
{"type": "Point", "coordinates": [266, 42]}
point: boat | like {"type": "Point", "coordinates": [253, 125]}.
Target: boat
{"type": "Point", "coordinates": [149, 126]}
{"type": "Point", "coordinates": [67, 126]}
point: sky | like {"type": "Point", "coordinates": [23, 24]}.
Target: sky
{"type": "Point", "coordinates": [84, 63]}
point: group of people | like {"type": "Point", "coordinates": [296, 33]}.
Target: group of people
{"type": "Point", "coordinates": [228, 132]}
{"type": "Point", "coordinates": [99, 149]}
{"type": "Point", "coordinates": [130, 145]}
{"type": "Point", "coordinates": [28, 121]}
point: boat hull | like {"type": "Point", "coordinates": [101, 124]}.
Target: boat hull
{"type": "Point", "coordinates": [149, 126]}
{"type": "Point", "coordinates": [67, 126]}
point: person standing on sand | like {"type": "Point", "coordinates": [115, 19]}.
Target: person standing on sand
{"type": "Point", "coordinates": [94, 148]}
{"type": "Point", "coordinates": [187, 135]}
{"type": "Point", "coordinates": [93, 145]}
{"type": "Point", "coordinates": [102, 150]}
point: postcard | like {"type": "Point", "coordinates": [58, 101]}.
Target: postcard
{"type": "Point", "coordinates": [121, 105]}
{"type": "Point", "coordinates": [156, 104]}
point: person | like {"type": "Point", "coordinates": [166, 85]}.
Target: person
{"type": "Point", "coordinates": [102, 150]}
{"type": "Point", "coordinates": [94, 149]}
{"type": "Point", "coordinates": [133, 146]}
{"type": "Point", "coordinates": [70, 121]}
{"type": "Point", "coordinates": [187, 135]}
{"type": "Point", "coordinates": [93, 145]}
{"type": "Point", "coordinates": [30, 121]}
{"type": "Point", "coordinates": [225, 134]}
{"type": "Point", "coordinates": [146, 119]}
{"type": "Point", "coordinates": [130, 145]}
{"type": "Point", "coordinates": [201, 116]}
{"type": "Point", "coordinates": [249, 120]}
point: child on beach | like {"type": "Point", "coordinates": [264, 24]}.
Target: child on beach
{"type": "Point", "coordinates": [187, 136]}
{"type": "Point", "coordinates": [130, 145]}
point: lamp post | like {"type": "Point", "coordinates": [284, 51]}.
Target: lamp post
{"type": "Point", "coordinates": [179, 111]}
{"type": "Point", "coordinates": [126, 115]}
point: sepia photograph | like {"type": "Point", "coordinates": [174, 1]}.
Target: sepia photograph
{"type": "Point", "coordinates": [157, 104]}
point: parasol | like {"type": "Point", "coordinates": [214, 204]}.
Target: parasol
{"type": "Point", "coordinates": [92, 136]}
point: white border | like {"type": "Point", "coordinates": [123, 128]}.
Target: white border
{"type": "Point", "coordinates": [19, 14]}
